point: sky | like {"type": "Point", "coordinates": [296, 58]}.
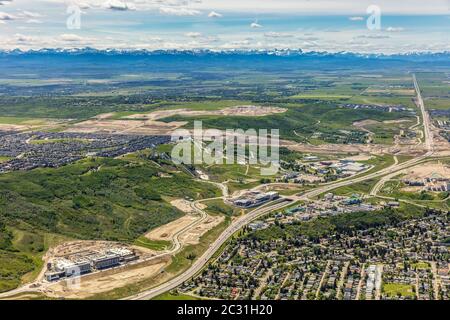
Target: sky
{"type": "Point", "coordinates": [383, 26]}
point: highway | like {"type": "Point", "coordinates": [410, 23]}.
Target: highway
{"type": "Point", "coordinates": [209, 253]}
{"type": "Point", "coordinates": [244, 220]}
{"type": "Point", "coordinates": [241, 222]}
{"type": "Point", "coordinates": [425, 117]}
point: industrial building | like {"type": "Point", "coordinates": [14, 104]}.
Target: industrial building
{"type": "Point", "coordinates": [87, 261]}
{"type": "Point", "coordinates": [105, 261]}
{"type": "Point", "coordinates": [254, 198]}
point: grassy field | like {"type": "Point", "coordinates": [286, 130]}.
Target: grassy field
{"type": "Point", "coordinates": [21, 120]}
{"type": "Point", "coordinates": [398, 289]}
{"type": "Point", "coordinates": [323, 96]}
{"type": "Point", "coordinates": [21, 255]}
{"type": "Point", "coordinates": [97, 198]}
{"type": "Point", "coordinates": [421, 265]}
{"type": "Point", "coordinates": [175, 296]}
{"type": "Point", "coordinates": [58, 141]}
{"type": "Point", "coordinates": [306, 120]}
{"type": "Point", "coordinates": [393, 189]}
{"type": "Point", "coordinates": [218, 207]}
{"type": "Point", "coordinates": [186, 257]}
{"type": "Point", "coordinates": [158, 245]}
{"type": "Point", "coordinates": [363, 187]}
{"type": "Point", "coordinates": [379, 163]}
{"type": "Point", "coordinates": [4, 159]}
{"type": "Point", "coordinates": [384, 132]}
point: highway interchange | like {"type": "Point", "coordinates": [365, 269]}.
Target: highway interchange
{"type": "Point", "coordinates": [242, 221]}
{"type": "Point", "coordinates": [238, 224]}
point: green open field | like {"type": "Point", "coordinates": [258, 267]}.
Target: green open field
{"type": "Point", "coordinates": [303, 122]}
{"type": "Point", "coordinates": [175, 296]}
{"type": "Point", "coordinates": [158, 245]}
{"type": "Point", "coordinates": [122, 199]}
{"type": "Point", "coordinates": [4, 159]}
{"type": "Point", "coordinates": [421, 265]}
{"type": "Point", "coordinates": [94, 198]}
{"type": "Point", "coordinates": [218, 207]}
{"type": "Point", "coordinates": [398, 289]}
{"type": "Point", "coordinates": [58, 141]}
{"type": "Point", "coordinates": [357, 188]}
{"type": "Point", "coordinates": [20, 120]}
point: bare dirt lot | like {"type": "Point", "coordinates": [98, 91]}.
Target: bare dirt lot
{"type": "Point", "coordinates": [145, 127]}
{"type": "Point", "coordinates": [38, 124]}
{"type": "Point", "coordinates": [363, 123]}
{"type": "Point", "coordinates": [78, 247]}
{"type": "Point", "coordinates": [250, 111]}
{"type": "Point", "coordinates": [428, 170]}
{"type": "Point", "coordinates": [411, 189]}
{"type": "Point", "coordinates": [106, 280]}
{"type": "Point", "coordinates": [397, 121]}
{"type": "Point", "coordinates": [193, 235]}
{"type": "Point", "coordinates": [277, 187]}
{"type": "Point", "coordinates": [398, 91]}
{"type": "Point", "coordinates": [182, 205]}
{"type": "Point", "coordinates": [376, 149]}
{"type": "Point", "coordinates": [167, 231]}
{"type": "Point", "coordinates": [359, 157]}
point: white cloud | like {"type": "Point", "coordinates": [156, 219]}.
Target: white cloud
{"type": "Point", "coordinates": [30, 14]}
{"type": "Point", "coordinates": [394, 29]}
{"type": "Point", "coordinates": [373, 36]}
{"type": "Point", "coordinates": [255, 25]}
{"type": "Point", "coordinates": [278, 35]}
{"type": "Point", "coordinates": [193, 34]}
{"type": "Point", "coordinates": [68, 37]}
{"type": "Point", "coordinates": [179, 11]}
{"type": "Point", "coordinates": [356, 18]}
{"type": "Point", "coordinates": [238, 44]}
{"type": "Point", "coordinates": [348, 7]}
{"type": "Point", "coordinates": [83, 5]}
{"type": "Point", "coordinates": [308, 38]}
{"type": "Point", "coordinates": [119, 5]}
{"type": "Point", "coordinates": [23, 38]}
{"type": "Point", "coordinates": [5, 2]}
{"type": "Point", "coordinates": [34, 21]}
{"type": "Point", "coordinates": [214, 14]}
{"type": "Point", "coordinates": [6, 16]}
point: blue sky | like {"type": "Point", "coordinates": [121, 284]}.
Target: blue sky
{"type": "Point", "coordinates": [311, 25]}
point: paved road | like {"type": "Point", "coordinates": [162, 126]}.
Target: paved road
{"type": "Point", "coordinates": [241, 222]}
{"type": "Point", "coordinates": [429, 142]}
{"type": "Point", "coordinates": [238, 224]}
{"type": "Point", "coordinates": [428, 136]}
{"type": "Point", "coordinates": [199, 263]}
{"type": "Point", "coordinates": [244, 220]}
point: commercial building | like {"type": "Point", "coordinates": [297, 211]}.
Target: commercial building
{"type": "Point", "coordinates": [85, 261]}
{"type": "Point", "coordinates": [72, 268]}
{"type": "Point", "coordinates": [104, 261]}
{"type": "Point", "coordinates": [255, 198]}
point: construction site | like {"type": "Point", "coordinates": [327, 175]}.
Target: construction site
{"type": "Point", "coordinates": [433, 177]}
{"type": "Point", "coordinates": [75, 259]}
{"type": "Point", "coordinates": [254, 198]}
